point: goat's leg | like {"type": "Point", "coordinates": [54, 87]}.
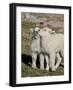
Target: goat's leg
{"type": "Point", "coordinates": [52, 61]}
{"type": "Point", "coordinates": [47, 62]}
{"type": "Point", "coordinates": [58, 60]}
{"type": "Point", "coordinates": [41, 61]}
{"type": "Point", "coordinates": [62, 53]}
{"type": "Point", "coordinates": [34, 58]}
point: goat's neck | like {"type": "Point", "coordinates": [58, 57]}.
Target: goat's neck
{"type": "Point", "coordinates": [44, 40]}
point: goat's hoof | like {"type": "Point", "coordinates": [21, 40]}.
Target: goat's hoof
{"type": "Point", "coordinates": [47, 69]}
{"type": "Point", "coordinates": [53, 69]}
{"type": "Point", "coordinates": [34, 67]}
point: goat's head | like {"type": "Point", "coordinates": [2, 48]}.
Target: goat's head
{"type": "Point", "coordinates": [35, 32]}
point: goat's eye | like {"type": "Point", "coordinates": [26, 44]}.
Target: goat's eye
{"type": "Point", "coordinates": [33, 31]}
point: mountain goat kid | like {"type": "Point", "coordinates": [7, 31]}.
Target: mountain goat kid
{"type": "Point", "coordinates": [35, 45]}
{"type": "Point", "coordinates": [52, 44]}
{"type": "Point", "coordinates": [36, 49]}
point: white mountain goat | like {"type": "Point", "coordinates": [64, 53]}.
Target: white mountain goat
{"type": "Point", "coordinates": [36, 49]}
{"type": "Point", "coordinates": [35, 45]}
{"type": "Point", "coordinates": [52, 44]}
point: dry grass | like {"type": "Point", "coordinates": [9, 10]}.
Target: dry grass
{"type": "Point", "coordinates": [28, 71]}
